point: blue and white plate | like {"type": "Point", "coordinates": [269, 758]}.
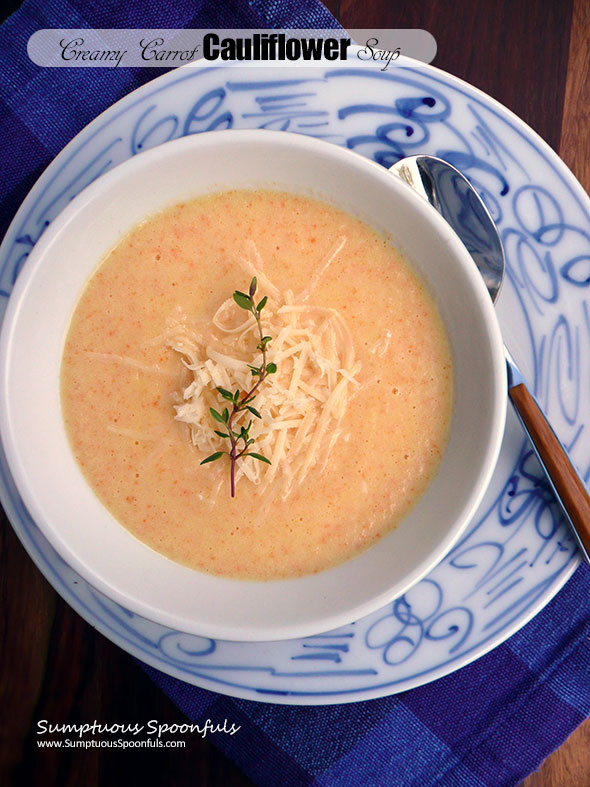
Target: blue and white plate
{"type": "Point", "coordinates": [518, 552]}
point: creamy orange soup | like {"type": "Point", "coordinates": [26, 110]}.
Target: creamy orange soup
{"type": "Point", "coordinates": [339, 481]}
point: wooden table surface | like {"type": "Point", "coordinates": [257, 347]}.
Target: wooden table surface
{"type": "Point", "coordinates": [531, 55]}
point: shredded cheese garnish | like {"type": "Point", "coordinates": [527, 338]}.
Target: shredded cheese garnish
{"type": "Point", "coordinates": [302, 405]}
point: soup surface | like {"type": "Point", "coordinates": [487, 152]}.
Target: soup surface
{"type": "Point", "coordinates": [354, 420]}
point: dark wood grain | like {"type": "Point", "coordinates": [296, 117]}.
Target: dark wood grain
{"type": "Point", "coordinates": [515, 50]}
{"type": "Point", "coordinates": [569, 766]}
{"type": "Point", "coordinates": [532, 56]}
{"type": "Point", "coordinates": [575, 131]}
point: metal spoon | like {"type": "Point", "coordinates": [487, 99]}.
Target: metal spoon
{"type": "Point", "coordinates": [447, 190]}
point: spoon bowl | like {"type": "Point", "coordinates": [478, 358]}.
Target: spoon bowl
{"type": "Point", "coordinates": [453, 196]}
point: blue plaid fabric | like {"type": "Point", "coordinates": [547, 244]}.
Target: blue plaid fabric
{"type": "Point", "coordinates": [490, 723]}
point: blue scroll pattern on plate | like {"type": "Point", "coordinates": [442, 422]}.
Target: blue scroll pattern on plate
{"type": "Point", "coordinates": [518, 550]}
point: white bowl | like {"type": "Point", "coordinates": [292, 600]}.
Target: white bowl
{"type": "Point", "coordinates": [47, 475]}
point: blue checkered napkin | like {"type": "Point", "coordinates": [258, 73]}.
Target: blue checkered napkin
{"type": "Point", "coordinates": [492, 722]}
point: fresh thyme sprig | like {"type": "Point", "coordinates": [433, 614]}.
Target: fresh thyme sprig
{"type": "Point", "coordinates": [240, 401]}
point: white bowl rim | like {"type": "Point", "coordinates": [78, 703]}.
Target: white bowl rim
{"type": "Point", "coordinates": [136, 604]}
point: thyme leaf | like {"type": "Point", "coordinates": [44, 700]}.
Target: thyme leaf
{"type": "Point", "coordinates": [213, 457]}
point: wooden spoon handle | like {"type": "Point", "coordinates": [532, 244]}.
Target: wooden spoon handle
{"type": "Point", "coordinates": [571, 490]}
